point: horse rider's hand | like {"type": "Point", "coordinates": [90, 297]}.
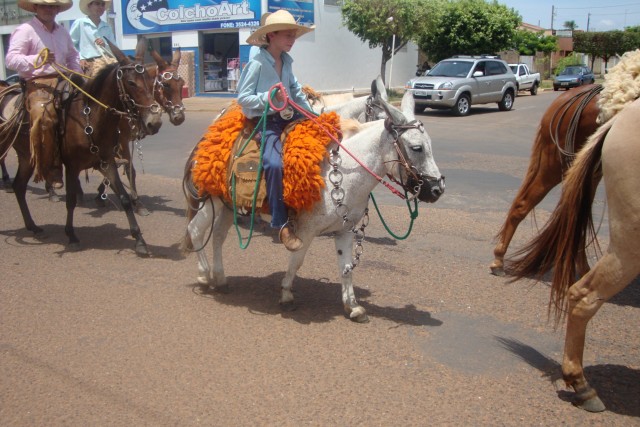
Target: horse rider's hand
{"type": "Point", "coordinates": [100, 42]}
{"type": "Point", "coordinates": [51, 58]}
{"type": "Point", "coordinates": [279, 96]}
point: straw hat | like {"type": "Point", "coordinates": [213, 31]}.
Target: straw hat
{"type": "Point", "coordinates": [30, 5]}
{"type": "Point", "coordinates": [84, 5]}
{"type": "Point", "coordinates": [276, 21]}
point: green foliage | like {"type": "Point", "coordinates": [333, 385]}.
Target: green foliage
{"type": "Point", "coordinates": [368, 19]}
{"type": "Point", "coordinates": [571, 59]}
{"type": "Point", "coordinates": [528, 43]}
{"type": "Point", "coordinates": [606, 44]}
{"type": "Point", "coordinates": [472, 27]}
{"type": "Point", "coordinates": [570, 25]}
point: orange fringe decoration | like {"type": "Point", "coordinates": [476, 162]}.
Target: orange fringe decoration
{"type": "Point", "coordinates": [304, 151]}
{"type": "Point", "coordinates": [209, 173]}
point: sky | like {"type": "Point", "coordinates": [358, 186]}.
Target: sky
{"type": "Point", "coordinates": [592, 15]}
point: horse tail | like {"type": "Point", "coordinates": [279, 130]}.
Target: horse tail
{"type": "Point", "coordinates": [193, 198]}
{"type": "Point", "coordinates": [565, 235]}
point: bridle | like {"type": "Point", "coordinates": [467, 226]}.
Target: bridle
{"type": "Point", "coordinates": [415, 180]}
{"type": "Point", "coordinates": [129, 103]}
{"type": "Point", "coordinates": [369, 109]}
{"type": "Point", "coordinates": [162, 79]}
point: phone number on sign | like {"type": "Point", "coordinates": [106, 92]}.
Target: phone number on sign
{"type": "Point", "coordinates": [242, 24]}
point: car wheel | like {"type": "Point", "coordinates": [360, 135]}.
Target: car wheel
{"type": "Point", "coordinates": [507, 101]}
{"type": "Point", "coordinates": [418, 109]}
{"type": "Point", "coordinates": [555, 89]}
{"type": "Point", "coordinates": [463, 106]}
{"type": "Point", "coordinates": [534, 89]}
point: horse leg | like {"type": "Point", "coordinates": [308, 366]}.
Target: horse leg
{"type": "Point", "coordinates": [543, 174]}
{"type": "Point", "coordinates": [72, 185]}
{"type": "Point", "coordinates": [344, 249]}
{"type": "Point", "coordinates": [6, 179]}
{"type": "Point", "coordinates": [24, 173]}
{"type": "Point", "coordinates": [137, 204]}
{"type": "Point", "coordinates": [610, 275]}
{"type": "Point", "coordinates": [295, 262]}
{"type": "Point", "coordinates": [54, 197]}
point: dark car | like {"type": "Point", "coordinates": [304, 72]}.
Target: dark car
{"type": "Point", "coordinates": [573, 76]}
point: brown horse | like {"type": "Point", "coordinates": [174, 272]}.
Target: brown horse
{"type": "Point", "coordinates": [608, 153]}
{"type": "Point", "coordinates": [563, 130]}
{"type": "Point", "coordinates": [167, 90]}
{"type": "Point", "coordinates": [121, 92]}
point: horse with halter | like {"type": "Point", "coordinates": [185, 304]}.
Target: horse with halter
{"type": "Point", "coordinates": [167, 91]}
{"type": "Point", "coordinates": [398, 147]}
{"type": "Point", "coordinates": [611, 152]}
{"type": "Point", "coordinates": [563, 130]}
{"type": "Point", "coordinates": [121, 92]}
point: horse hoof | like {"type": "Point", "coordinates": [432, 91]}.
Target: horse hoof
{"type": "Point", "coordinates": [203, 280]}
{"type": "Point", "coordinates": [142, 251]}
{"type": "Point", "coordinates": [54, 198]}
{"type": "Point", "coordinates": [74, 247]}
{"type": "Point", "coordinates": [497, 271]}
{"type": "Point", "coordinates": [36, 230]}
{"type": "Point", "coordinates": [358, 315]}
{"type": "Point", "coordinates": [142, 211]}
{"type": "Point", "coordinates": [8, 189]}
{"type": "Point", "coordinates": [288, 306]}
{"type": "Point", "coordinates": [592, 405]}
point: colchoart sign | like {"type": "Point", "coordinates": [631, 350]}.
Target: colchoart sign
{"type": "Point", "coordinates": [157, 16]}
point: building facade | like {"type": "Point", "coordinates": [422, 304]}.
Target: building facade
{"type": "Point", "coordinates": [212, 41]}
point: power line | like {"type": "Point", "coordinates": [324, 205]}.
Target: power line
{"type": "Point", "coordinates": [597, 7]}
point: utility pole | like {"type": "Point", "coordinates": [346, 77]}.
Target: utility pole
{"type": "Point", "coordinates": [552, 13]}
{"type": "Point", "coordinates": [588, 19]}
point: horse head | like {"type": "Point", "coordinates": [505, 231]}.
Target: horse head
{"type": "Point", "coordinates": [168, 87]}
{"type": "Point", "coordinates": [135, 83]}
{"type": "Point", "coordinates": [417, 171]}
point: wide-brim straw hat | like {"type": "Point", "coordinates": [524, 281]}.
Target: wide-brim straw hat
{"type": "Point", "coordinates": [84, 5]}
{"type": "Point", "coordinates": [280, 20]}
{"type": "Point", "coordinates": [30, 5]}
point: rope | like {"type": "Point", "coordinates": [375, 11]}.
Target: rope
{"type": "Point", "coordinates": [413, 214]}
{"type": "Point", "coordinates": [44, 55]}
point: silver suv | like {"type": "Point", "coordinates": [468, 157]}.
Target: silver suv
{"type": "Point", "coordinates": [459, 82]}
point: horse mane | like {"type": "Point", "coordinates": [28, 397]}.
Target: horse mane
{"type": "Point", "coordinates": [569, 229]}
{"type": "Point", "coordinates": [621, 86]}
{"type": "Point", "coordinates": [98, 81]}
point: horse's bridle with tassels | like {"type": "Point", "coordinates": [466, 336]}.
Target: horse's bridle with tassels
{"type": "Point", "coordinates": [158, 87]}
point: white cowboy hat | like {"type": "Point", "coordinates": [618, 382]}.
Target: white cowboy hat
{"type": "Point", "coordinates": [84, 5]}
{"type": "Point", "coordinates": [30, 5]}
{"type": "Point", "coordinates": [277, 21]}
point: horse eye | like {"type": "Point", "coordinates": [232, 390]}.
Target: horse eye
{"type": "Point", "coordinates": [132, 83]}
{"type": "Point", "coordinates": [166, 85]}
{"type": "Point", "coordinates": [417, 148]}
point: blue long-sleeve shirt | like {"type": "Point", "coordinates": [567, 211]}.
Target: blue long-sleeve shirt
{"type": "Point", "coordinates": [257, 78]}
{"type": "Point", "coordinates": [84, 34]}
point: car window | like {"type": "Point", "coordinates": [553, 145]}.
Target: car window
{"type": "Point", "coordinates": [480, 66]}
{"type": "Point", "coordinates": [494, 68]}
{"type": "Point", "coordinates": [514, 68]}
{"type": "Point", "coordinates": [451, 69]}
{"type": "Point", "coordinates": [570, 70]}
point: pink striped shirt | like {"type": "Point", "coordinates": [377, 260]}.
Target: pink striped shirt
{"type": "Point", "coordinates": [30, 38]}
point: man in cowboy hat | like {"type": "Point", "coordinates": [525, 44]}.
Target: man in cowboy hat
{"type": "Point", "coordinates": [37, 69]}
{"type": "Point", "coordinates": [271, 65]}
{"type": "Point", "coordinates": [89, 34]}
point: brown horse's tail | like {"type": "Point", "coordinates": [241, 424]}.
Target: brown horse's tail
{"type": "Point", "coordinates": [568, 230]}
{"type": "Point", "coordinates": [193, 199]}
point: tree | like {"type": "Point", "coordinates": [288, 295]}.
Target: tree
{"type": "Point", "coordinates": [472, 27]}
{"type": "Point", "coordinates": [370, 21]}
{"type": "Point", "coordinates": [606, 44]}
{"type": "Point", "coordinates": [570, 25]}
{"type": "Point", "coordinates": [528, 43]}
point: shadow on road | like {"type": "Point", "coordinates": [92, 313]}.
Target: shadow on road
{"type": "Point", "coordinates": [618, 386]}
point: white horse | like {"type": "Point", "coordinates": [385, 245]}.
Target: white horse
{"type": "Point", "coordinates": [398, 147]}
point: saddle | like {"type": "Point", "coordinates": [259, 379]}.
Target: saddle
{"type": "Point", "coordinates": [14, 119]}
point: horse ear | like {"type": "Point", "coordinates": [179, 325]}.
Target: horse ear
{"type": "Point", "coordinates": [141, 47]}
{"type": "Point", "coordinates": [393, 113]}
{"type": "Point", "coordinates": [162, 64]}
{"type": "Point", "coordinates": [177, 54]}
{"type": "Point", "coordinates": [408, 105]}
{"type": "Point", "coordinates": [120, 56]}
{"type": "Point", "coordinates": [381, 89]}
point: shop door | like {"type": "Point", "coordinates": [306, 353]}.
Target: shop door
{"type": "Point", "coordinates": [220, 63]}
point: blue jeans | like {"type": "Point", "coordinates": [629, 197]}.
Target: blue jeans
{"type": "Point", "coordinates": [272, 166]}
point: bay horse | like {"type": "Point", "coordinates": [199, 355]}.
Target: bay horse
{"type": "Point", "coordinates": [612, 153]}
{"type": "Point", "coordinates": [120, 92]}
{"type": "Point", "coordinates": [564, 129]}
{"type": "Point", "coordinates": [167, 91]}
{"type": "Point", "coordinates": [399, 147]}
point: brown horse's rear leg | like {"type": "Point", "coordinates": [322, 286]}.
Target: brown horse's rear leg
{"type": "Point", "coordinates": [73, 188]}
{"type": "Point", "coordinates": [544, 173]}
{"type": "Point", "coordinates": [6, 179]}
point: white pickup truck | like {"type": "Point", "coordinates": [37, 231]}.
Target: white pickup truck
{"type": "Point", "coordinates": [526, 79]}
